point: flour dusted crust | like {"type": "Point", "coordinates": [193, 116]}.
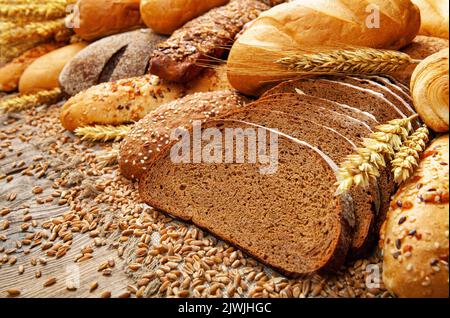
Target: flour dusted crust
{"type": "Point", "coordinates": [415, 236]}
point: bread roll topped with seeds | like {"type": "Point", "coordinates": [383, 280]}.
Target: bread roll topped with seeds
{"type": "Point", "coordinates": [415, 235]}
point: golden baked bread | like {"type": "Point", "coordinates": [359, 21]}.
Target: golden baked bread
{"type": "Point", "coordinates": [10, 73]}
{"type": "Point", "coordinates": [99, 18]}
{"type": "Point", "coordinates": [415, 235]}
{"type": "Point", "coordinates": [434, 14]}
{"type": "Point", "coordinates": [129, 100]}
{"type": "Point", "coordinates": [166, 16]}
{"type": "Point", "coordinates": [321, 22]}
{"type": "Point", "coordinates": [430, 89]}
{"type": "Point", "coordinates": [44, 72]}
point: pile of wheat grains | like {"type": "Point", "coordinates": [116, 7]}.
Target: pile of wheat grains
{"type": "Point", "coordinates": [60, 205]}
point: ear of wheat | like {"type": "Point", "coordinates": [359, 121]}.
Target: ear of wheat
{"type": "Point", "coordinates": [103, 132]}
{"type": "Point", "coordinates": [288, 62]}
{"type": "Point", "coordinates": [359, 168]}
{"type": "Point", "coordinates": [32, 11]}
{"type": "Point", "coordinates": [407, 158]}
{"type": "Point", "coordinates": [108, 157]}
{"type": "Point", "coordinates": [27, 101]}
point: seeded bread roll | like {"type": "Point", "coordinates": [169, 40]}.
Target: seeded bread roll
{"type": "Point", "coordinates": [152, 133]}
{"type": "Point", "coordinates": [301, 23]}
{"type": "Point", "coordinates": [10, 73]}
{"type": "Point", "coordinates": [166, 16]}
{"type": "Point", "coordinates": [202, 39]}
{"type": "Point", "coordinates": [129, 100]}
{"type": "Point", "coordinates": [415, 236]}
{"type": "Point", "coordinates": [43, 73]}
{"type": "Point", "coordinates": [99, 18]}
{"type": "Point", "coordinates": [112, 58]}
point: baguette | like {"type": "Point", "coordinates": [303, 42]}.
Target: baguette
{"type": "Point", "coordinates": [129, 100]}
{"type": "Point", "coordinates": [166, 16]}
{"type": "Point", "coordinates": [99, 18]}
{"type": "Point", "coordinates": [119, 56]}
{"type": "Point", "coordinates": [10, 73]}
{"type": "Point", "coordinates": [44, 72]}
{"type": "Point", "coordinates": [415, 236]}
{"type": "Point", "coordinates": [202, 39]}
{"type": "Point", "coordinates": [301, 23]}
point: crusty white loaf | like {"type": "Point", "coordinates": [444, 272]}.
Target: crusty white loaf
{"type": "Point", "coordinates": [129, 100]}
{"type": "Point", "coordinates": [434, 15]}
{"type": "Point", "coordinates": [166, 16]}
{"type": "Point", "coordinates": [415, 235]}
{"type": "Point", "coordinates": [300, 23]}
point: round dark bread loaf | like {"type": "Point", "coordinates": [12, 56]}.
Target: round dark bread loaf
{"type": "Point", "coordinates": [290, 220]}
{"type": "Point", "coordinates": [112, 58]}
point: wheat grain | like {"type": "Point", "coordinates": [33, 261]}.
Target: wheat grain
{"type": "Point", "coordinates": [406, 159]}
{"type": "Point", "coordinates": [22, 102]}
{"type": "Point", "coordinates": [103, 132]}
{"type": "Point", "coordinates": [359, 168]}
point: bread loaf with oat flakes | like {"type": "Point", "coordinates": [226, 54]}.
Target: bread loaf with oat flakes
{"type": "Point", "coordinates": [415, 236]}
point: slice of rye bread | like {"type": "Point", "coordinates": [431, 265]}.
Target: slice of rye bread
{"type": "Point", "coordinates": [290, 220]}
{"type": "Point", "coordinates": [366, 202]}
{"type": "Point", "coordinates": [394, 85]}
{"type": "Point", "coordinates": [309, 107]}
{"type": "Point", "coordinates": [343, 93]}
{"type": "Point", "coordinates": [152, 133]}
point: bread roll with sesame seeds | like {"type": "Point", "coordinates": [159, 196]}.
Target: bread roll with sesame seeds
{"type": "Point", "coordinates": [129, 100]}
{"type": "Point", "coordinates": [415, 235]}
{"type": "Point", "coordinates": [152, 133]}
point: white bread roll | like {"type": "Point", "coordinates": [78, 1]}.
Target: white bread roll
{"type": "Point", "coordinates": [129, 100]}
{"type": "Point", "coordinates": [415, 235]}
{"type": "Point", "coordinates": [166, 16]}
{"type": "Point", "coordinates": [44, 72]}
{"type": "Point", "coordinates": [430, 90]}
{"type": "Point", "coordinates": [434, 15]}
{"type": "Point", "coordinates": [320, 22]}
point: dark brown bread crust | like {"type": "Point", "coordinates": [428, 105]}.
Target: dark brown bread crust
{"type": "Point", "coordinates": [342, 212]}
{"type": "Point", "coordinates": [203, 38]}
{"type": "Point", "coordinates": [116, 57]}
{"type": "Point", "coordinates": [152, 133]}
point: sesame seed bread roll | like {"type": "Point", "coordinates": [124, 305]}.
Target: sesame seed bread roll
{"type": "Point", "coordinates": [166, 16]}
{"type": "Point", "coordinates": [301, 23]}
{"type": "Point", "coordinates": [128, 100]}
{"type": "Point", "coordinates": [415, 236]}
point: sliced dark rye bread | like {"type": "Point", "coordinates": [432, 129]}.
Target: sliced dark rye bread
{"type": "Point", "coordinates": [336, 146]}
{"type": "Point", "coordinates": [290, 220]}
{"type": "Point", "coordinates": [149, 135]}
{"type": "Point", "coordinates": [394, 85]}
{"type": "Point", "coordinates": [343, 93]}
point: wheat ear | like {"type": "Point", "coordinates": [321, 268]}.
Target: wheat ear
{"type": "Point", "coordinates": [406, 159]}
{"type": "Point", "coordinates": [347, 61]}
{"type": "Point", "coordinates": [27, 101]}
{"type": "Point", "coordinates": [33, 11]}
{"type": "Point", "coordinates": [103, 132]}
{"type": "Point", "coordinates": [359, 168]}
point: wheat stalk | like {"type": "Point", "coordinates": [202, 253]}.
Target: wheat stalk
{"type": "Point", "coordinates": [103, 132]}
{"type": "Point", "coordinates": [359, 168]}
{"type": "Point", "coordinates": [108, 157]}
{"type": "Point", "coordinates": [33, 11]}
{"type": "Point", "coordinates": [27, 101]}
{"type": "Point", "coordinates": [406, 159]}
{"type": "Point", "coordinates": [348, 61]}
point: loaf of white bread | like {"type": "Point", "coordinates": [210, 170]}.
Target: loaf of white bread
{"type": "Point", "coordinates": [320, 22]}
{"type": "Point", "coordinates": [415, 236]}
{"type": "Point", "coordinates": [129, 100]}
{"type": "Point", "coordinates": [434, 16]}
